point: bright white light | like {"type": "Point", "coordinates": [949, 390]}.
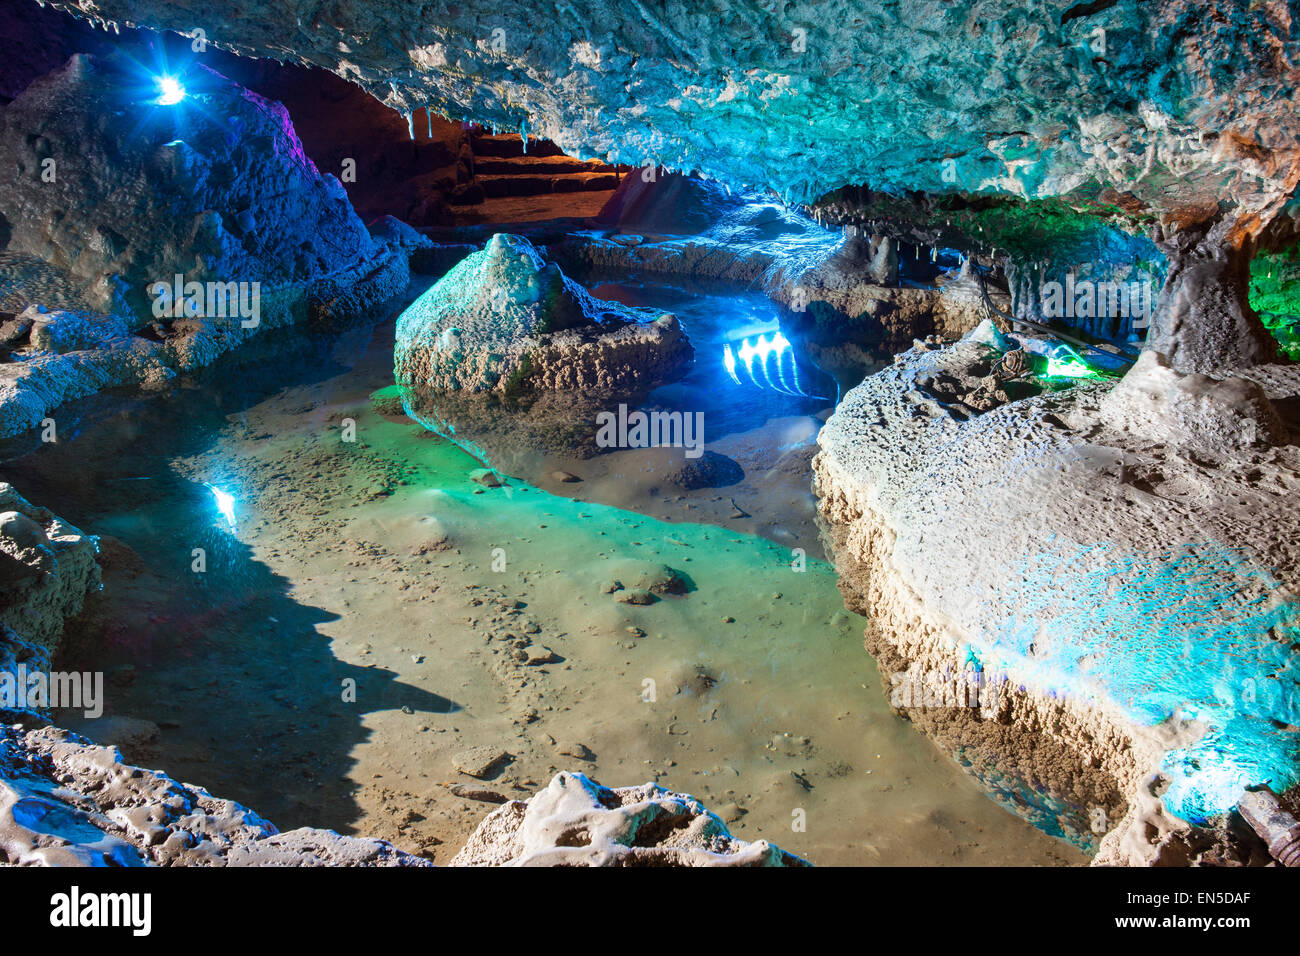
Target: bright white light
{"type": "Point", "coordinates": [729, 362]}
{"type": "Point", "coordinates": [225, 505]}
{"type": "Point", "coordinates": [170, 91]}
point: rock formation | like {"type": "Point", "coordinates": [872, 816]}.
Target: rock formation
{"type": "Point", "coordinates": [66, 802]}
{"type": "Point", "coordinates": [47, 567]}
{"type": "Point", "coordinates": [1093, 560]}
{"type": "Point", "coordinates": [100, 219]}
{"type": "Point", "coordinates": [575, 821]}
{"type": "Point", "coordinates": [505, 320]}
{"type": "Point", "coordinates": [1161, 108]}
{"type": "Point", "coordinates": [1168, 119]}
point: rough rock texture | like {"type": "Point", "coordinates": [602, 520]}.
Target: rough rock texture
{"type": "Point", "coordinates": [505, 320]}
{"type": "Point", "coordinates": [46, 569]}
{"type": "Point", "coordinates": [683, 225]}
{"type": "Point", "coordinates": [67, 802]}
{"type": "Point", "coordinates": [835, 290]}
{"type": "Point", "coordinates": [842, 299]}
{"type": "Point", "coordinates": [1192, 411]}
{"type": "Point", "coordinates": [1171, 106]}
{"type": "Point", "coordinates": [1121, 589]}
{"type": "Point", "coordinates": [1204, 320]}
{"type": "Point", "coordinates": [215, 188]}
{"type": "Point", "coordinates": [1170, 118]}
{"type": "Point", "coordinates": [577, 822]}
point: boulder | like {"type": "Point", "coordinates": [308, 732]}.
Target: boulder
{"type": "Point", "coordinates": [577, 822]}
{"type": "Point", "coordinates": [47, 567]}
{"type": "Point", "coordinates": [505, 320]}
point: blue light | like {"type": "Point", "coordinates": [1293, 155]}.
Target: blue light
{"type": "Point", "coordinates": [170, 91]}
{"type": "Point", "coordinates": [225, 504]}
{"type": "Point", "coordinates": [729, 363]}
{"type": "Point", "coordinates": [768, 352]}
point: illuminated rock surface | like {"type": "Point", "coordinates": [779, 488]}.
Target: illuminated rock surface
{"type": "Point", "coordinates": [1123, 558]}
{"type": "Point", "coordinates": [1168, 107]}
{"type": "Point", "coordinates": [214, 188]}
{"type": "Point", "coordinates": [504, 320]}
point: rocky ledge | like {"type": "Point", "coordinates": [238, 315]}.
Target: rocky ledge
{"type": "Point", "coordinates": [1084, 591]}
{"type": "Point", "coordinates": [67, 802]}
{"type": "Point", "coordinates": [47, 567]}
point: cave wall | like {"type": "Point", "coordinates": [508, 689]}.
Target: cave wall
{"type": "Point", "coordinates": [1169, 108]}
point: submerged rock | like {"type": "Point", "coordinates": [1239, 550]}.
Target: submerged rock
{"type": "Point", "coordinates": [577, 822]}
{"type": "Point", "coordinates": [646, 576]}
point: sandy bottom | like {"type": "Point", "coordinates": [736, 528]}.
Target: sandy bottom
{"type": "Point", "coordinates": [379, 564]}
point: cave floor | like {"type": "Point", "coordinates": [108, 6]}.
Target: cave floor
{"type": "Point", "coordinates": [369, 564]}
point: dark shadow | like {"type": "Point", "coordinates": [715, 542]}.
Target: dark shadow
{"type": "Point", "coordinates": [250, 699]}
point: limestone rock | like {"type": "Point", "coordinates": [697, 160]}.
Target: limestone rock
{"type": "Point", "coordinates": [47, 568]}
{"type": "Point", "coordinates": [1029, 107]}
{"type": "Point", "coordinates": [62, 331]}
{"type": "Point", "coordinates": [233, 205]}
{"type": "Point", "coordinates": [505, 320]}
{"type": "Point", "coordinates": [1189, 409]}
{"type": "Point", "coordinates": [959, 534]}
{"type": "Point", "coordinates": [577, 822]}
{"type": "Point", "coordinates": [67, 802]}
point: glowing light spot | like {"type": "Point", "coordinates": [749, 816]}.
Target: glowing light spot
{"type": "Point", "coordinates": [1066, 364]}
{"type": "Point", "coordinates": [170, 91]}
{"type": "Point", "coordinates": [225, 504]}
{"type": "Point", "coordinates": [729, 362]}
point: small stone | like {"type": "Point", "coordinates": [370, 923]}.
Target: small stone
{"type": "Point", "coordinates": [574, 748]}
{"type": "Point", "coordinates": [485, 477]}
{"type": "Point", "coordinates": [479, 762]}
{"type": "Point", "coordinates": [564, 476]}
{"type": "Point", "coordinates": [635, 596]}
{"type": "Point", "coordinates": [541, 654]}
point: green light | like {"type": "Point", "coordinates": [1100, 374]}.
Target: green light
{"type": "Point", "coordinates": [1067, 364]}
